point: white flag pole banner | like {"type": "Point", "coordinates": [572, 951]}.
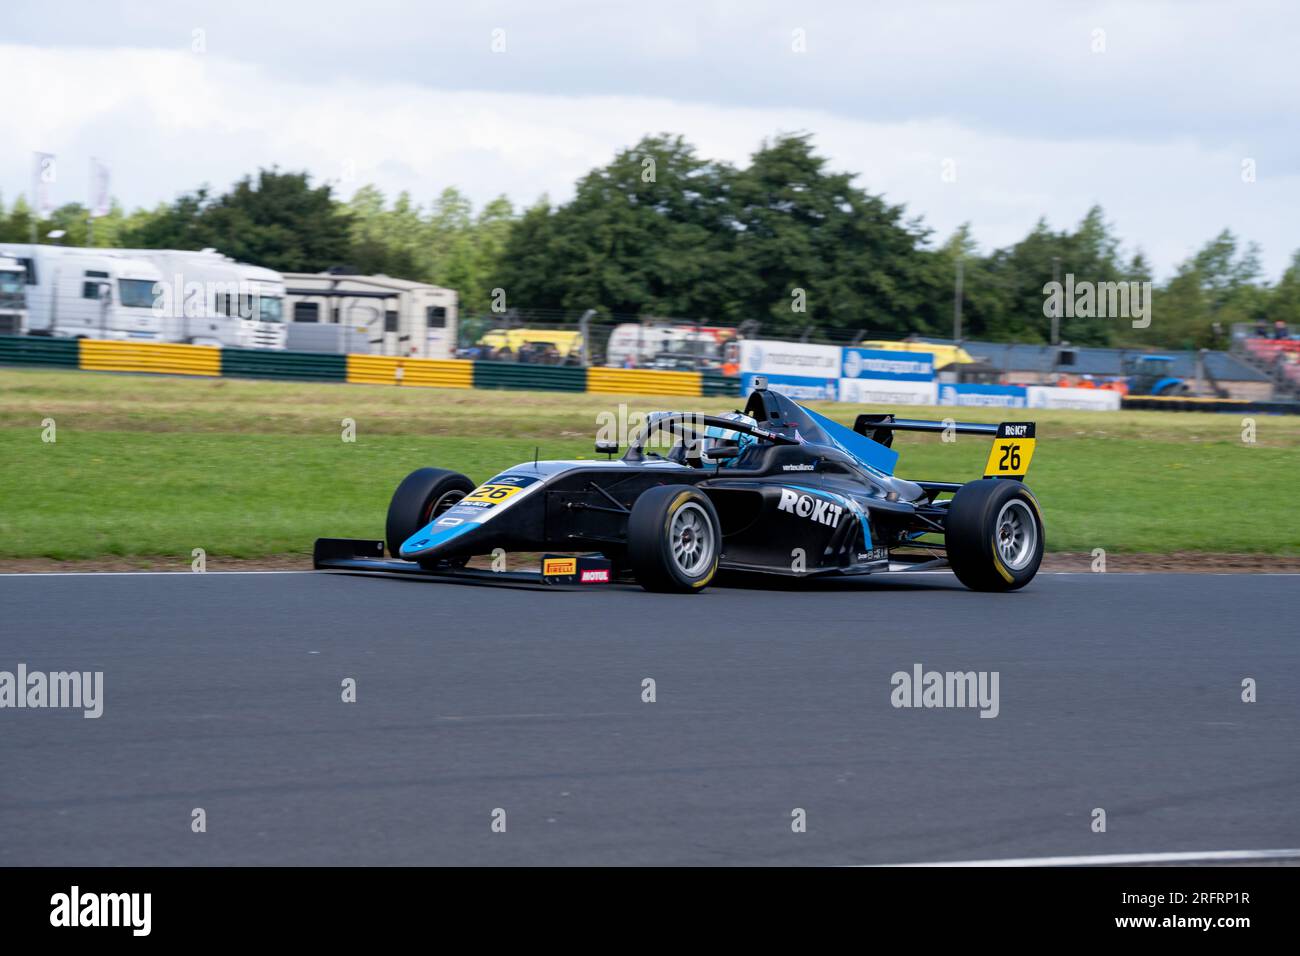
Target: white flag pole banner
{"type": "Point", "coordinates": [100, 202]}
{"type": "Point", "coordinates": [43, 174]}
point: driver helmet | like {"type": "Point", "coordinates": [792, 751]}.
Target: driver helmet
{"type": "Point", "coordinates": [715, 436]}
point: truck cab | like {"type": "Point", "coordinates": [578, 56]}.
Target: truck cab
{"type": "Point", "coordinates": [211, 299]}
{"type": "Point", "coordinates": [88, 293]}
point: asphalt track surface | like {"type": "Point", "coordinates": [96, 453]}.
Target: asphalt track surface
{"type": "Point", "coordinates": [223, 691]}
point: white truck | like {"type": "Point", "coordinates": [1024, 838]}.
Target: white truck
{"type": "Point", "coordinates": [13, 297]}
{"type": "Point", "coordinates": [207, 298]}
{"type": "Point", "coordinates": [340, 311]}
{"type": "Point", "coordinates": [87, 293]}
{"type": "Point", "coordinates": [671, 346]}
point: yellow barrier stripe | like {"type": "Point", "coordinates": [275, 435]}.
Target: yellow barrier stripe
{"type": "Point", "coordinates": [1201, 399]}
{"type": "Point", "coordinates": [170, 358]}
{"type": "Point", "coordinates": [175, 359]}
{"type": "Point", "coordinates": [390, 370]}
{"type": "Point", "coordinates": [633, 381]}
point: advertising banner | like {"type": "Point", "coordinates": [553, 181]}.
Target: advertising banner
{"type": "Point", "coordinates": [893, 366]}
{"type": "Point", "coordinates": [770, 357]}
{"type": "Point", "coordinates": [802, 388]}
{"type": "Point", "coordinates": [992, 396]}
{"type": "Point", "coordinates": [1087, 399]}
{"type": "Point", "coordinates": [874, 391]}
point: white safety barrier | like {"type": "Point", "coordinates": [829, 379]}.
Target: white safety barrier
{"type": "Point", "coordinates": [1085, 399]}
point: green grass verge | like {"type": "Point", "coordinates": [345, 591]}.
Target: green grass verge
{"type": "Point", "coordinates": [158, 466]}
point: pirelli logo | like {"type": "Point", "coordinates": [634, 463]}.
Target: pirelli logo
{"type": "Point", "coordinates": [1012, 449]}
{"type": "Point", "coordinates": [562, 569]}
{"type": "Point", "coordinates": [559, 567]}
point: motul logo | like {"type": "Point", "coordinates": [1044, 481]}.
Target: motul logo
{"type": "Point", "coordinates": [814, 509]}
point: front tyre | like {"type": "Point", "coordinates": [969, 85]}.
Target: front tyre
{"type": "Point", "coordinates": [674, 539]}
{"type": "Point", "coordinates": [994, 535]}
{"type": "Point", "coordinates": [421, 497]}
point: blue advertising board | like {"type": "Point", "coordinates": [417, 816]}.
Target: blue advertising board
{"type": "Point", "coordinates": [887, 365]}
{"type": "Point", "coordinates": [799, 387]}
{"type": "Point", "coordinates": [993, 396]}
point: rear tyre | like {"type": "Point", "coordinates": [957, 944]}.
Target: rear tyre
{"type": "Point", "coordinates": [674, 540]}
{"type": "Point", "coordinates": [994, 535]}
{"type": "Point", "coordinates": [421, 497]}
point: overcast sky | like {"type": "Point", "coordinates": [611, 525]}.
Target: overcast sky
{"type": "Point", "coordinates": [1041, 108]}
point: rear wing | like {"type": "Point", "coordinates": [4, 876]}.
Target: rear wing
{"type": "Point", "coordinates": [1013, 442]}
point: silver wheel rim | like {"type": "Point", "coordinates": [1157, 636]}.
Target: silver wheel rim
{"type": "Point", "coordinates": [445, 502]}
{"type": "Point", "coordinates": [1015, 535]}
{"type": "Point", "coordinates": [691, 537]}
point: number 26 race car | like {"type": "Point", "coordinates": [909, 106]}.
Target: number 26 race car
{"type": "Point", "coordinates": [775, 490]}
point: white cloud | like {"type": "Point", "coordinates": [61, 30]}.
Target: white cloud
{"type": "Point", "coordinates": [168, 121]}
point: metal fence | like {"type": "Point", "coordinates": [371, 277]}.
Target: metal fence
{"type": "Point", "coordinates": [596, 338]}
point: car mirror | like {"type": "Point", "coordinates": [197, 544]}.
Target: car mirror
{"type": "Point", "coordinates": [718, 454]}
{"type": "Point", "coordinates": [605, 447]}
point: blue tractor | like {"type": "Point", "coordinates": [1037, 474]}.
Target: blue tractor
{"type": "Point", "coordinates": [1150, 375]}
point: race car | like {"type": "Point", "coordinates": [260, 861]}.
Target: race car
{"type": "Point", "coordinates": [777, 489]}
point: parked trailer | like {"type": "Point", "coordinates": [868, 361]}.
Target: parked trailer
{"type": "Point", "coordinates": [13, 297]}
{"type": "Point", "coordinates": [88, 293]}
{"type": "Point", "coordinates": [159, 295]}
{"type": "Point", "coordinates": [680, 345]}
{"type": "Point", "coordinates": [396, 316]}
{"type": "Point", "coordinates": [211, 299]}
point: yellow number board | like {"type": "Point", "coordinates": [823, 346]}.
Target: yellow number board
{"type": "Point", "coordinates": [492, 494]}
{"type": "Point", "coordinates": [1012, 450]}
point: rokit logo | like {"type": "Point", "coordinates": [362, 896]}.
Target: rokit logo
{"type": "Point", "coordinates": [814, 509]}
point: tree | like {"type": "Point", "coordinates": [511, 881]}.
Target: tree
{"type": "Point", "coordinates": [371, 249]}
{"type": "Point", "coordinates": [860, 264]}
{"type": "Point", "coordinates": [1091, 253]}
{"type": "Point", "coordinates": [1283, 303]}
{"type": "Point", "coordinates": [646, 233]}
{"type": "Point", "coordinates": [985, 288]}
{"type": "Point", "coordinates": [279, 221]}
{"type": "Point", "coordinates": [179, 225]}
{"type": "Point", "coordinates": [661, 231]}
{"type": "Point", "coordinates": [1219, 284]}
{"type": "Point", "coordinates": [448, 245]}
{"type": "Point", "coordinates": [525, 267]}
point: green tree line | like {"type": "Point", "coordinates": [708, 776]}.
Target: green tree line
{"type": "Point", "coordinates": [662, 231]}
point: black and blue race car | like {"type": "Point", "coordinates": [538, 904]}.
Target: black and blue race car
{"type": "Point", "coordinates": [777, 489]}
